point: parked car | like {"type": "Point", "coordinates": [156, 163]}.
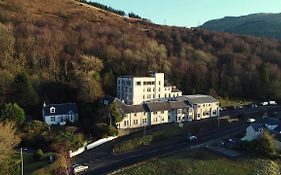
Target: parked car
{"type": "Point", "coordinates": [77, 168]}
{"type": "Point", "coordinates": [264, 103]}
{"type": "Point", "coordinates": [272, 102]}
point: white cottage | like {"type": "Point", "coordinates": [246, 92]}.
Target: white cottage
{"type": "Point", "coordinates": [59, 114]}
{"type": "Point", "coordinates": [253, 131]}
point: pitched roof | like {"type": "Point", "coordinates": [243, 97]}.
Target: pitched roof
{"type": "Point", "coordinates": [150, 106]}
{"type": "Point", "coordinates": [198, 99]}
{"type": "Point", "coordinates": [60, 109]}
{"type": "Point", "coordinates": [179, 104]}
{"type": "Point", "coordinates": [277, 137]}
{"type": "Point", "coordinates": [257, 126]}
{"type": "Point", "coordinates": [271, 121]}
{"type": "Point", "coordinates": [158, 106]}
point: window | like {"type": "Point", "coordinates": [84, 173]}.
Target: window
{"type": "Point", "coordinates": [148, 95]}
{"type": "Point", "coordinates": [198, 115]}
{"type": "Point", "coordinates": [159, 82]}
{"type": "Point", "coordinates": [148, 89]}
{"type": "Point", "coordinates": [130, 90]}
{"type": "Point", "coordinates": [153, 96]}
{"type": "Point", "coordinates": [153, 89]}
{"type": "Point", "coordinates": [144, 120]}
{"type": "Point", "coordinates": [209, 104]}
{"type": "Point", "coordinates": [125, 123]}
{"type": "Point", "coordinates": [203, 105]}
{"type": "Point", "coordinates": [159, 89]}
{"type": "Point", "coordinates": [156, 119]}
{"type": "Point", "coordinates": [169, 117]}
{"type": "Point", "coordinates": [135, 114]}
{"type": "Point", "coordinates": [143, 89]}
{"type": "Point", "coordinates": [198, 106]}
{"type": "Point", "coordinates": [179, 119]}
{"type": "Point", "coordinates": [163, 119]}
{"type": "Point", "coordinates": [143, 96]}
{"type": "Point", "coordinates": [52, 110]}
{"type": "Point", "coordinates": [162, 112]}
{"type": "Point", "coordinates": [159, 96]}
{"type": "Point", "coordinates": [53, 119]}
{"type": "Point", "coordinates": [136, 122]}
{"type": "Point", "coordinates": [144, 113]}
{"type": "Point", "coordinates": [215, 112]}
{"type": "Point", "coordinates": [138, 83]}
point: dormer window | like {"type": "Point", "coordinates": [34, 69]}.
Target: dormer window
{"type": "Point", "coordinates": [52, 110]}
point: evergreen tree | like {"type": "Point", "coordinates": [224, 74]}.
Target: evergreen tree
{"type": "Point", "coordinates": [13, 113]}
{"type": "Point", "coordinates": [23, 91]}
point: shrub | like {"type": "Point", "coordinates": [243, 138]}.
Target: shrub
{"type": "Point", "coordinates": [39, 155]}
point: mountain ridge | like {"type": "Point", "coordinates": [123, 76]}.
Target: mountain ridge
{"type": "Point", "coordinates": [259, 25]}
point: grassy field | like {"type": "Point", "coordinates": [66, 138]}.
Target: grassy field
{"type": "Point", "coordinates": [201, 162]}
{"type": "Point", "coordinates": [156, 136]}
{"type": "Point", "coordinates": [226, 103]}
{"type": "Point", "coordinates": [38, 167]}
{"type": "Point", "coordinates": [30, 164]}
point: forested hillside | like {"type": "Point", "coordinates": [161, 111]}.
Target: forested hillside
{"type": "Point", "coordinates": [262, 25]}
{"type": "Point", "coordinates": [62, 51]}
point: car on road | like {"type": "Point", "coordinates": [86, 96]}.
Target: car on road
{"type": "Point", "coordinates": [77, 168]}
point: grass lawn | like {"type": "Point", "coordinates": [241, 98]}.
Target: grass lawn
{"type": "Point", "coordinates": [226, 103]}
{"type": "Point", "coordinates": [201, 162]}
{"type": "Point", "coordinates": [30, 164]}
{"type": "Point", "coordinates": [40, 167]}
{"type": "Point", "coordinates": [156, 136]}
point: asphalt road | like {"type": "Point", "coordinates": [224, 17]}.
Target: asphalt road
{"type": "Point", "coordinates": [102, 163]}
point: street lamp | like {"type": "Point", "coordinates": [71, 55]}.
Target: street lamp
{"type": "Point", "coordinates": [21, 161]}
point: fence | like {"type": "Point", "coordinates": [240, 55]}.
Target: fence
{"type": "Point", "coordinates": [90, 146]}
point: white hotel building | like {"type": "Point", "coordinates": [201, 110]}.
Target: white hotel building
{"type": "Point", "coordinates": [146, 101]}
{"type": "Point", "coordinates": [136, 90]}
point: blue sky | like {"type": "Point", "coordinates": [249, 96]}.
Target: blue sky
{"type": "Point", "coordinates": [191, 13]}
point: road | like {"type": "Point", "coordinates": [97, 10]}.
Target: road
{"type": "Point", "coordinates": [103, 163]}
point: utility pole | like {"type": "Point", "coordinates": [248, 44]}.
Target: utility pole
{"type": "Point", "coordinates": [218, 121]}
{"type": "Point", "coordinates": [21, 161]}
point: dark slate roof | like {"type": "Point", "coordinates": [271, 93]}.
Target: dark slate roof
{"type": "Point", "coordinates": [178, 104]}
{"type": "Point", "coordinates": [108, 98]}
{"type": "Point", "coordinates": [60, 108]}
{"type": "Point", "coordinates": [277, 137]}
{"type": "Point", "coordinates": [175, 90]}
{"type": "Point", "coordinates": [158, 106]}
{"type": "Point", "coordinates": [198, 99]}
{"type": "Point", "coordinates": [126, 109]}
{"type": "Point", "coordinates": [257, 126]}
{"type": "Point", "coordinates": [271, 121]}
{"type": "Point", "coordinates": [278, 129]}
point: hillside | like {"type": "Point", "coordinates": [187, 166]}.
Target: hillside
{"type": "Point", "coordinates": [73, 52]}
{"type": "Point", "coordinates": [262, 25]}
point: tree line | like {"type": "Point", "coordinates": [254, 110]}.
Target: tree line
{"type": "Point", "coordinates": [57, 59]}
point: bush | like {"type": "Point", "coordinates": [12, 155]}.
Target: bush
{"type": "Point", "coordinates": [39, 155]}
{"type": "Point", "coordinates": [14, 168]}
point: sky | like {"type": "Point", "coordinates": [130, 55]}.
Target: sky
{"type": "Point", "coordinates": [191, 13]}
